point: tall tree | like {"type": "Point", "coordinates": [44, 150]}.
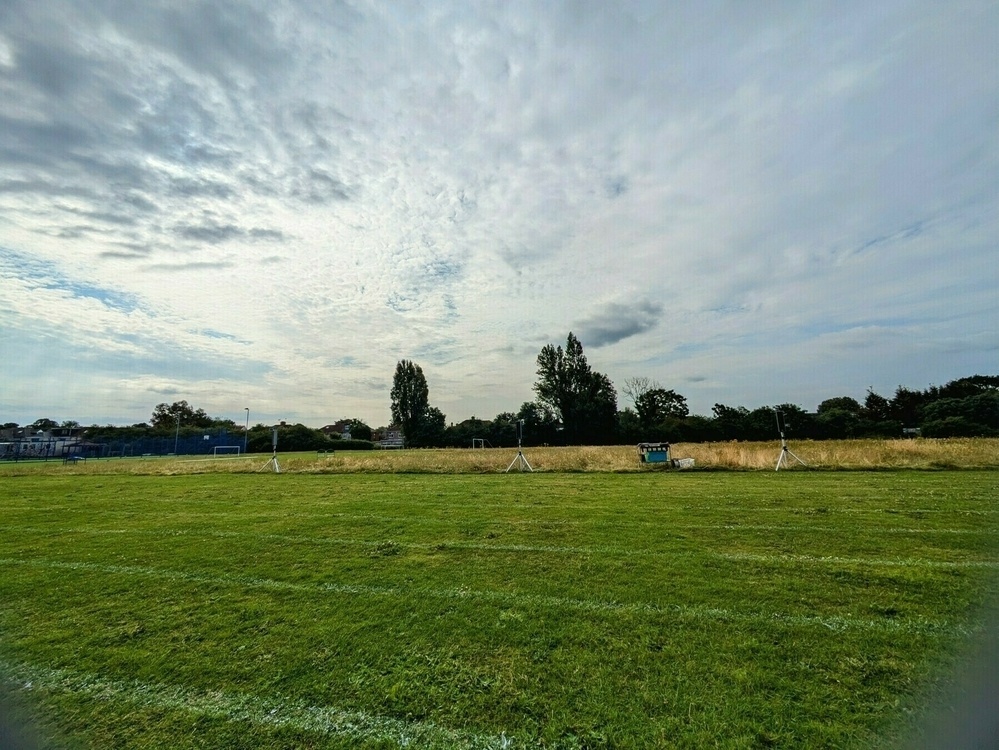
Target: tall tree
{"type": "Point", "coordinates": [657, 404]}
{"type": "Point", "coordinates": [876, 407]}
{"type": "Point", "coordinates": [429, 429]}
{"type": "Point", "coordinates": [635, 388]}
{"type": "Point", "coordinates": [167, 415]}
{"type": "Point", "coordinates": [410, 398]}
{"type": "Point", "coordinates": [584, 400]}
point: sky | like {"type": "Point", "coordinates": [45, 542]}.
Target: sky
{"type": "Point", "coordinates": [265, 206]}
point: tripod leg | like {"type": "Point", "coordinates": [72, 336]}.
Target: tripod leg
{"type": "Point", "coordinates": [796, 458]}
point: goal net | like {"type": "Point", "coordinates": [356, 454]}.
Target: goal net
{"type": "Point", "coordinates": [226, 450]}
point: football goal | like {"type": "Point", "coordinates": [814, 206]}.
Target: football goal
{"type": "Point", "coordinates": [226, 450]}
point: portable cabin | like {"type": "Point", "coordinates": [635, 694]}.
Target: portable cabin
{"type": "Point", "coordinates": [654, 453]}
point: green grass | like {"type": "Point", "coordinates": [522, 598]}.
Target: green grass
{"type": "Point", "coordinates": [694, 610]}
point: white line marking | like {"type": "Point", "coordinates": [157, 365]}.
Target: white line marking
{"type": "Point", "coordinates": [267, 711]}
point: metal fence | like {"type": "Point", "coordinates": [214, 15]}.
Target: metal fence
{"type": "Point", "coordinates": [59, 450]}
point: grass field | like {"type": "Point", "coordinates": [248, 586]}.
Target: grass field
{"type": "Point", "coordinates": [314, 610]}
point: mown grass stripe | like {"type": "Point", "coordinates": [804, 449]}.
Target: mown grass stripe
{"type": "Point", "coordinates": [243, 707]}
{"type": "Point", "coordinates": [835, 560]}
{"type": "Point", "coordinates": [443, 545]}
{"type": "Point", "coordinates": [588, 521]}
{"type": "Point", "coordinates": [867, 530]}
{"type": "Point", "coordinates": [919, 624]}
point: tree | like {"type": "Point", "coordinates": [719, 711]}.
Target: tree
{"type": "Point", "coordinates": [635, 388]}
{"type": "Point", "coordinates": [44, 424]}
{"type": "Point", "coordinates": [657, 404]}
{"type": "Point", "coordinates": [410, 398]}
{"type": "Point", "coordinates": [906, 406]}
{"type": "Point", "coordinates": [798, 422]}
{"type": "Point", "coordinates": [584, 400]}
{"type": "Point", "coordinates": [730, 421]}
{"type": "Point", "coordinates": [428, 430]}
{"type": "Point", "coordinates": [629, 428]}
{"type": "Point", "coordinates": [166, 416]}
{"type": "Point", "coordinates": [540, 424]}
{"type": "Point", "coordinates": [298, 437]}
{"type": "Point", "coordinates": [876, 407]}
{"type": "Point", "coordinates": [359, 430]}
{"type": "Point", "coordinates": [840, 403]}
{"type": "Point", "coordinates": [964, 417]}
{"type": "Point", "coordinates": [972, 386]}
{"type": "Point", "coordinates": [597, 415]}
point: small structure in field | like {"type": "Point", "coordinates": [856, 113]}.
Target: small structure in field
{"type": "Point", "coordinates": [659, 453]}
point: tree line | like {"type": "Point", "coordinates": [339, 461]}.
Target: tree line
{"type": "Point", "coordinates": [576, 405]}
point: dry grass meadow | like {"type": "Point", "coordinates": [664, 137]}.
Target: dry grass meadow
{"type": "Point", "coordinates": [831, 455]}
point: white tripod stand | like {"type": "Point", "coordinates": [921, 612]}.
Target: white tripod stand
{"type": "Point", "coordinates": [273, 461]}
{"type": "Point", "coordinates": [782, 459]}
{"type": "Point", "coordinates": [519, 459]}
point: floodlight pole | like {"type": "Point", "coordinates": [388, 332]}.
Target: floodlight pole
{"type": "Point", "coordinates": [784, 450]}
{"type": "Point", "coordinates": [519, 459]}
{"type": "Point", "coordinates": [246, 432]}
{"type": "Point", "coordinates": [176, 436]}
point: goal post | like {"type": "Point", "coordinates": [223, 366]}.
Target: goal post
{"type": "Point", "coordinates": [226, 450]}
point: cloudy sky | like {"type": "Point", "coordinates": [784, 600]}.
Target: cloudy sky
{"type": "Point", "coordinates": [266, 205]}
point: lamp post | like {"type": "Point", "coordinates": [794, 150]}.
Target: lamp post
{"type": "Point", "coordinates": [246, 432]}
{"type": "Point", "coordinates": [176, 436]}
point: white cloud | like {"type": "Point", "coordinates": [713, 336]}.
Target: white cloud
{"type": "Point", "coordinates": [293, 199]}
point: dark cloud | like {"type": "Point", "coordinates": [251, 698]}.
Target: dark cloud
{"type": "Point", "coordinates": [40, 144]}
{"type": "Point", "coordinates": [189, 187]}
{"type": "Point", "coordinates": [616, 321]}
{"type": "Point", "coordinates": [211, 233]}
{"type": "Point", "coordinates": [54, 69]}
{"type": "Point", "coordinates": [137, 201]}
{"type": "Point", "coordinates": [46, 187]}
{"type": "Point", "coordinates": [123, 255]}
{"type": "Point", "coordinates": [317, 186]}
{"type": "Point", "coordinates": [218, 38]}
{"type": "Point", "coordinates": [107, 217]}
{"type": "Point", "coordinates": [215, 233]}
{"type": "Point", "coordinates": [129, 250]}
{"type": "Point", "coordinates": [193, 266]}
{"type": "Point", "coordinates": [616, 186]}
{"type": "Point", "coordinates": [266, 234]}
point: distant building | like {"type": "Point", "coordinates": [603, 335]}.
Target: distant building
{"type": "Point", "coordinates": [389, 437]}
{"type": "Point", "coordinates": [25, 442]}
{"type": "Point", "coordinates": [341, 428]}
